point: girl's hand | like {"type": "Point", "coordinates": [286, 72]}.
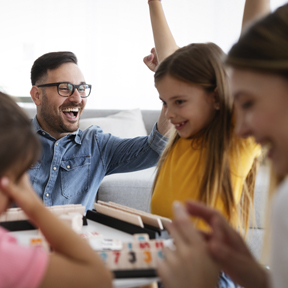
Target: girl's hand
{"type": "Point", "coordinates": [151, 60]}
{"type": "Point", "coordinates": [190, 264]}
{"type": "Point", "coordinates": [21, 192]}
{"type": "Point", "coordinates": [5, 202]}
{"type": "Point", "coordinates": [228, 248]}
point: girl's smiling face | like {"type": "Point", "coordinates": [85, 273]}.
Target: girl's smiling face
{"type": "Point", "coordinates": [187, 106]}
{"type": "Point", "coordinates": [261, 106]}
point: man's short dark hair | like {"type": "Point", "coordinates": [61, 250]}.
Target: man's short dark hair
{"type": "Point", "coordinates": [50, 61]}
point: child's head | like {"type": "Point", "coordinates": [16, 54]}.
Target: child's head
{"type": "Point", "coordinates": [259, 84]}
{"type": "Point", "coordinates": [192, 85]}
{"type": "Point", "coordinates": [19, 145]}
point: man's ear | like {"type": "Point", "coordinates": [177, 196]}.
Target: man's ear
{"type": "Point", "coordinates": [216, 99]}
{"type": "Point", "coordinates": [36, 95]}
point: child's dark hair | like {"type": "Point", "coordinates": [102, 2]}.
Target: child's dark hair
{"type": "Point", "coordinates": [50, 61]}
{"type": "Point", "coordinates": [19, 145]}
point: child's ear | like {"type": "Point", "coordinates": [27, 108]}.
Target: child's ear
{"type": "Point", "coordinates": [216, 99]}
{"type": "Point", "coordinates": [36, 95]}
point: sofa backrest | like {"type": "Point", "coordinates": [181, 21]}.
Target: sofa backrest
{"type": "Point", "coordinates": [149, 116]}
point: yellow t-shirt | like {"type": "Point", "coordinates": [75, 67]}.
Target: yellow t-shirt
{"type": "Point", "coordinates": [180, 175]}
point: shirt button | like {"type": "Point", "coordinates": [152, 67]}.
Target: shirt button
{"type": "Point", "coordinates": [56, 143]}
{"type": "Point", "coordinates": [54, 168]}
{"type": "Point", "coordinates": [68, 166]}
{"type": "Point", "coordinates": [43, 133]}
{"type": "Point", "coordinates": [47, 195]}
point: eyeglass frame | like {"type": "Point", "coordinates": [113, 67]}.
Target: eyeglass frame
{"type": "Point", "coordinates": [74, 86]}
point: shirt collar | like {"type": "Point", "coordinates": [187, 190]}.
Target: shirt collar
{"type": "Point", "coordinates": [77, 135]}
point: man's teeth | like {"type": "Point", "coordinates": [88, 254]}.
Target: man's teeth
{"type": "Point", "coordinates": [71, 110]}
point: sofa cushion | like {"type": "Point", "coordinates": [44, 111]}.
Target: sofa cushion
{"type": "Point", "coordinates": [130, 189]}
{"type": "Point", "coordinates": [125, 124]}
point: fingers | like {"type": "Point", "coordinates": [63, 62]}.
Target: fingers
{"type": "Point", "coordinates": [203, 211]}
{"type": "Point", "coordinates": [5, 186]}
{"type": "Point", "coordinates": [182, 230]}
{"type": "Point", "coordinates": [151, 60]}
{"type": "Point", "coordinates": [5, 202]}
{"type": "Point", "coordinates": [237, 264]}
{"type": "Point", "coordinates": [148, 60]}
{"type": "Point", "coordinates": [220, 227]}
{"type": "Point", "coordinates": [6, 199]}
{"type": "Point", "coordinates": [21, 192]}
{"type": "Point", "coordinates": [224, 243]}
{"type": "Point", "coordinates": [10, 188]}
{"type": "Point", "coordinates": [166, 268]}
{"type": "Point", "coordinates": [4, 182]}
{"type": "Point", "coordinates": [224, 233]}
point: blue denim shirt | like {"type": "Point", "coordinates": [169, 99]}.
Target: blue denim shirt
{"type": "Point", "coordinates": [71, 169]}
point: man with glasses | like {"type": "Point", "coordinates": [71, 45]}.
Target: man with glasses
{"type": "Point", "coordinates": [74, 162]}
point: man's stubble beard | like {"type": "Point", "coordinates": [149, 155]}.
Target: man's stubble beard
{"type": "Point", "coordinates": [56, 124]}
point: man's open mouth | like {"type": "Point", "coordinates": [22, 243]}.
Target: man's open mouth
{"type": "Point", "coordinates": [71, 113]}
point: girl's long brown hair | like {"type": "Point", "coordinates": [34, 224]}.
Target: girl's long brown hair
{"type": "Point", "coordinates": [201, 64]}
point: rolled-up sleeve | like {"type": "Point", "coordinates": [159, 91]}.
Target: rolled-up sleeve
{"type": "Point", "coordinates": [156, 140]}
{"type": "Point", "coordinates": [126, 155]}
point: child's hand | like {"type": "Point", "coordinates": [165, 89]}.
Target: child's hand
{"type": "Point", "coordinates": [190, 264]}
{"type": "Point", "coordinates": [5, 202]}
{"type": "Point", "coordinates": [21, 192]}
{"type": "Point", "coordinates": [151, 60]}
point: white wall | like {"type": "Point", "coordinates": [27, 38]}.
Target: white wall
{"type": "Point", "coordinates": [110, 38]}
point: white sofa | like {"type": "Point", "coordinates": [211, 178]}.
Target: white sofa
{"type": "Point", "coordinates": [134, 189]}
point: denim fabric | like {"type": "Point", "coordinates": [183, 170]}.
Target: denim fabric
{"type": "Point", "coordinates": [71, 169]}
{"type": "Point", "coordinates": [226, 282]}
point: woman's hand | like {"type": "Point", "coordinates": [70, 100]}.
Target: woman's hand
{"type": "Point", "coordinates": [190, 264]}
{"type": "Point", "coordinates": [228, 248]}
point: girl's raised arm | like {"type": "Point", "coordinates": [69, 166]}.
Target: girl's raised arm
{"type": "Point", "coordinates": [164, 41]}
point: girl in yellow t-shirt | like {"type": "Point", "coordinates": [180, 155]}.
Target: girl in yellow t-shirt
{"type": "Point", "coordinates": [204, 159]}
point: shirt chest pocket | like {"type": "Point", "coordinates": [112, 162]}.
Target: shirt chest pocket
{"type": "Point", "coordinates": [33, 171]}
{"type": "Point", "coordinates": [75, 176]}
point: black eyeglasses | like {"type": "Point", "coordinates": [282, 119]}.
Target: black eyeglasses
{"type": "Point", "coordinates": [66, 89]}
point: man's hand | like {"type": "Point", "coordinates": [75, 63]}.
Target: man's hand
{"type": "Point", "coordinates": [190, 264]}
{"type": "Point", "coordinates": [151, 60]}
{"type": "Point", "coordinates": [228, 248]}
